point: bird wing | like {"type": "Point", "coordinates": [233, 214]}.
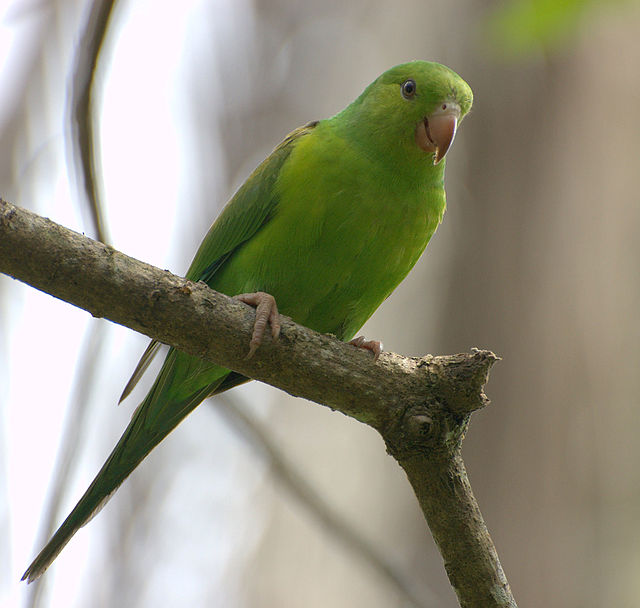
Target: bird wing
{"type": "Point", "coordinates": [250, 208]}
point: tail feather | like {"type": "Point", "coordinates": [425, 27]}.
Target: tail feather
{"type": "Point", "coordinates": [141, 368]}
{"type": "Point", "coordinates": [160, 412]}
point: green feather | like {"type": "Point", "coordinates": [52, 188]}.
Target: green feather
{"type": "Point", "coordinates": [328, 224]}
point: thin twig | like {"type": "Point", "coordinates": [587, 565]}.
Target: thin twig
{"type": "Point", "coordinates": [84, 140]}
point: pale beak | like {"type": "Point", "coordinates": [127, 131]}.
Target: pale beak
{"type": "Point", "coordinates": [435, 133]}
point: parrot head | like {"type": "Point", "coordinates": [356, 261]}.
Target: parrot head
{"type": "Point", "coordinates": [412, 109]}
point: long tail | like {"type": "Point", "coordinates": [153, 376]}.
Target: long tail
{"type": "Point", "coordinates": [181, 385]}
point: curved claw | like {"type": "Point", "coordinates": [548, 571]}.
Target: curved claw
{"type": "Point", "coordinates": [375, 346]}
{"type": "Point", "coordinates": [266, 312]}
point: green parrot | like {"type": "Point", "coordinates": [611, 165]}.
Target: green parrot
{"type": "Point", "coordinates": [327, 226]}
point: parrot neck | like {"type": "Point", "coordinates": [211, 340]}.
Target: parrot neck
{"type": "Point", "coordinates": [385, 145]}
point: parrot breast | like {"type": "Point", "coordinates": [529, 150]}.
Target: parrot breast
{"type": "Point", "coordinates": [345, 248]}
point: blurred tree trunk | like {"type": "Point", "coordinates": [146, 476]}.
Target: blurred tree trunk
{"type": "Point", "coordinates": [544, 274]}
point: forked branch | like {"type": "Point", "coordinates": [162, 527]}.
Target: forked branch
{"type": "Point", "coordinates": [420, 406]}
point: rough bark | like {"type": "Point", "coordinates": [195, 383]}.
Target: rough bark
{"type": "Point", "coordinates": [420, 406]}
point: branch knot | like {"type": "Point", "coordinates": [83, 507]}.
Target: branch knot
{"type": "Point", "coordinates": [428, 429]}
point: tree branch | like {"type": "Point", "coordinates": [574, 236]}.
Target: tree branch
{"type": "Point", "coordinates": [420, 406]}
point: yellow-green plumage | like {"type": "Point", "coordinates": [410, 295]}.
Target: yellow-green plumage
{"type": "Point", "coordinates": [328, 224]}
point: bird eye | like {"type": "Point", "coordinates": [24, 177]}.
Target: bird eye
{"type": "Point", "coordinates": [408, 88]}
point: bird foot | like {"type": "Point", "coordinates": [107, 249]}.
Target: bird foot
{"type": "Point", "coordinates": [375, 346]}
{"type": "Point", "coordinates": [266, 312]}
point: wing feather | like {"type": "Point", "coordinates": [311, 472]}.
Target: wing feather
{"type": "Point", "coordinates": [250, 208]}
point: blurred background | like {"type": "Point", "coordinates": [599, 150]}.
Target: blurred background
{"type": "Point", "coordinates": [537, 259]}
